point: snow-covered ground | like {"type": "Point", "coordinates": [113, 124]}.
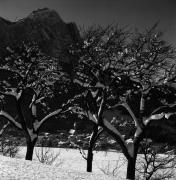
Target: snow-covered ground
{"type": "Point", "coordinates": [69, 166]}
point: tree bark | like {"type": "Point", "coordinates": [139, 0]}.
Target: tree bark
{"type": "Point", "coordinates": [89, 159]}
{"type": "Point", "coordinates": [90, 149]}
{"type": "Point", "coordinates": [131, 168]}
{"type": "Point", "coordinates": [95, 135]}
{"type": "Point", "coordinates": [30, 149]}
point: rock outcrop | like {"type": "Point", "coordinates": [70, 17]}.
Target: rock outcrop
{"type": "Point", "coordinates": [46, 28]}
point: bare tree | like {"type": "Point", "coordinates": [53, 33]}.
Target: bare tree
{"type": "Point", "coordinates": [9, 146]}
{"type": "Point", "coordinates": [125, 74]}
{"type": "Point", "coordinates": [26, 80]}
{"type": "Point", "coordinates": [45, 154]}
{"type": "Point", "coordinates": [153, 164]}
{"type": "Point", "coordinates": [113, 167]}
{"type": "Point", "coordinates": [96, 71]}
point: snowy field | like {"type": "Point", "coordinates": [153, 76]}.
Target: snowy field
{"type": "Point", "coordinates": [69, 165]}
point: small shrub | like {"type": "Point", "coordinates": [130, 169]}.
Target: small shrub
{"type": "Point", "coordinates": [112, 167]}
{"type": "Point", "coordinates": [9, 146]}
{"type": "Point", "coordinates": [152, 165]}
{"type": "Point", "coordinates": [46, 155]}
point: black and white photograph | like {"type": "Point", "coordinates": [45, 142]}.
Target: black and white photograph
{"type": "Point", "coordinates": [87, 89]}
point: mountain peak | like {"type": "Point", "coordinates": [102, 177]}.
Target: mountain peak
{"type": "Point", "coordinates": [43, 26]}
{"type": "Point", "coordinates": [45, 13]}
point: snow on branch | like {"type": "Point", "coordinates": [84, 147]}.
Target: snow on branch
{"type": "Point", "coordinates": [13, 93]}
{"type": "Point", "coordinates": [127, 150]}
{"type": "Point", "coordinates": [109, 126]}
{"type": "Point", "coordinates": [4, 128]}
{"type": "Point", "coordinates": [92, 117]}
{"type": "Point", "coordinates": [127, 145]}
{"type": "Point", "coordinates": [38, 124]}
{"type": "Point", "coordinates": [39, 100]}
{"type": "Point", "coordinates": [130, 146]}
{"type": "Point", "coordinates": [11, 119]}
{"type": "Point", "coordinates": [101, 107]}
{"type": "Point", "coordinates": [127, 107]}
{"type": "Point", "coordinates": [81, 83]}
{"type": "Point", "coordinates": [161, 112]}
{"type": "Point", "coordinates": [80, 111]}
{"type": "Point", "coordinates": [158, 117]}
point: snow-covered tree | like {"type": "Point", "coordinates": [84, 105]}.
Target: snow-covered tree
{"type": "Point", "coordinates": [97, 72]}
{"type": "Point", "coordinates": [127, 74]}
{"type": "Point", "coordinates": [27, 77]}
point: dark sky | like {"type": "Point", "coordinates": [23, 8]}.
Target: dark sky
{"type": "Point", "coordinates": [134, 13]}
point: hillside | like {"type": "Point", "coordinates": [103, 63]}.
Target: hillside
{"type": "Point", "coordinates": [46, 28]}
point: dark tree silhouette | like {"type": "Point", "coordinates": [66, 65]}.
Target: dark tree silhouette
{"type": "Point", "coordinates": [111, 71]}
{"type": "Point", "coordinates": [26, 80]}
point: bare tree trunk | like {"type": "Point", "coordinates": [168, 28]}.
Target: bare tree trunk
{"type": "Point", "coordinates": [30, 149]}
{"type": "Point", "coordinates": [89, 159]}
{"type": "Point", "coordinates": [90, 149]}
{"type": "Point", "coordinates": [131, 168]}
{"type": "Point", "coordinates": [95, 135]}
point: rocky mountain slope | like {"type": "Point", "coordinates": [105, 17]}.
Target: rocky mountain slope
{"type": "Point", "coordinates": [43, 26]}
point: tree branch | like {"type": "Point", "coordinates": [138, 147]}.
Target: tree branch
{"type": "Point", "coordinates": [92, 117]}
{"type": "Point", "coordinates": [117, 136]}
{"type": "Point", "coordinates": [4, 128]}
{"type": "Point", "coordinates": [13, 93]}
{"type": "Point", "coordinates": [127, 107]}
{"type": "Point", "coordinates": [38, 124]}
{"type": "Point", "coordinates": [10, 118]}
